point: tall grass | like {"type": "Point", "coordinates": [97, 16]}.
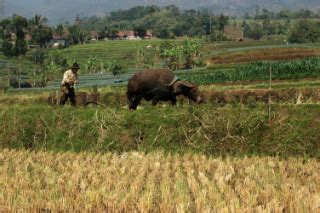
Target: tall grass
{"type": "Point", "coordinates": [239, 130]}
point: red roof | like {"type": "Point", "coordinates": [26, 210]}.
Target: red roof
{"type": "Point", "coordinates": [125, 33]}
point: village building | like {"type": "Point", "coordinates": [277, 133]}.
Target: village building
{"type": "Point", "coordinates": [127, 35]}
{"type": "Point", "coordinates": [130, 35]}
{"type": "Point", "coordinates": [94, 35]}
{"type": "Point", "coordinates": [57, 41]}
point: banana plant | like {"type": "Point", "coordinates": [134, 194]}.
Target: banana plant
{"type": "Point", "coordinates": [92, 65]}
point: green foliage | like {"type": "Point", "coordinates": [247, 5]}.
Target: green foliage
{"type": "Point", "coordinates": [8, 48]}
{"type": "Point", "coordinates": [140, 31]}
{"type": "Point", "coordinates": [60, 30]}
{"type": "Point", "coordinates": [113, 67]}
{"type": "Point", "coordinates": [59, 57]}
{"type": "Point", "coordinates": [305, 31]}
{"type": "Point", "coordinates": [217, 35]}
{"type": "Point", "coordinates": [267, 27]}
{"type": "Point", "coordinates": [147, 56]}
{"type": "Point", "coordinates": [191, 52]}
{"type": "Point", "coordinates": [306, 68]}
{"type": "Point", "coordinates": [164, 33]}
{"type": "Point", "coordinates": [222, 21]}
{"type": "Point", "coordinates": [55, 64]}
{"type": "Point", "coordinates": [14, 43]}
{"type": "Point", "coordinates": [39, 56]}
{"type": "Point", "coordinates": [166, 22]}
{"type": "Point", "coordinates": [187, 54]}
{"type": "Point", "coordinates": [92, 65]}
{"type": "Point", "coordinates": [77, 35]}
{"type": "Point", "coordinates": [171, 54]}
{"type": "Point", "coordinates": [255, 31]}
{"type": "Point", "coordinates": [292, 131]}
{"type": "Point", "coordinates": [39, 30]}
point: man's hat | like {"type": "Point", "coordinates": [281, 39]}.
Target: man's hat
{"type": "Point", "coordinates": [75, 66]}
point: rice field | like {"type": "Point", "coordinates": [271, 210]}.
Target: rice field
{"type": "Point", "coordinates": [156, 182]}
{"type": "Point", "coordinates": [167, 159]}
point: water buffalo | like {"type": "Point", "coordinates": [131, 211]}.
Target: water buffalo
{"type": "Point", "coordinates": [159, 85]}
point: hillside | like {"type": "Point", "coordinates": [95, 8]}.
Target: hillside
{"type": "Point", "coordinates": [66, 10]}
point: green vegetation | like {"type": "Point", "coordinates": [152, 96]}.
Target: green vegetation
{"type": "Point", "coordinates": [305, 31]}
{"type": "Point", "coordinates": [13, 36]}
{"type": "Point", "coordinates": [291, 131]}
{"type": "Point", "coordinates": [298, 69]}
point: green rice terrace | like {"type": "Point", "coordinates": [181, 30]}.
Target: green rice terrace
{"type": "Point", "coordinates": [221, 62]}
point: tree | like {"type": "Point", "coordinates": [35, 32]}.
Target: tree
{"type": "Point", "coordinates": [304, 31]}
{"type": "Point", "coordinates": [60, 30]}
{"type": "Point", "coordinates": [140, 31]}
{"type": "Point", "coordinates": [14, 43]}
{"type": "Point", "coordinates": [222, 21]}
{"type": "Point", "coordinates": [39, 30]}
{"type": "Point", "coordinates": [112, 34]}
{"type": "Point", "coordinates": [255, 31]}
{"type": "Point", "coordinates": [164, 33]}
{"type": "Point", "coordinates": [77, 35]}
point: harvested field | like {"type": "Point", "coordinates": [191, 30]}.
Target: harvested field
{"type": "Point", "coordinates": [271, 54]}
{"type": "Point", "coordinates": [43, 181]}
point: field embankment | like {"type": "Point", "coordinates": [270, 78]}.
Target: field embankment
{"type": "Point", "coordinates": [137, 182]}
{"type": "Point", "coordinates": [266, 54]}
{"type": "Point", "coordinates": [292, 130]}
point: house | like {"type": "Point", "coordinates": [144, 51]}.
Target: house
{"type": "Point", "coordinates": [233, 33]}
{"type": "Point", "coordinates": [127, 35]}
{"type": "Point", "coordinates": [130, 35]}
{"type": "Point", "coordinates": [57, 41]}
{"type": "Point", "coordinates": [94, 35]}
{"type": "Point", "coordinates": [148, 35]}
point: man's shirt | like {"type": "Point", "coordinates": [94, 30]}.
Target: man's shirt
{"type": "Point", "coordinates": [69, 77]}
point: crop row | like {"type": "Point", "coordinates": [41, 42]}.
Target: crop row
{"type": "Point", "coordinates": [306, 68]}
{"type": "Point", "coordinates": [156, 182]}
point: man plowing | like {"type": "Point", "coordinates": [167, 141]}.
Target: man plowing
{"type": "Point", "coordinates": [70, 78]}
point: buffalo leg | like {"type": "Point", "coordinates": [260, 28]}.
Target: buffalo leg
{"type": "Point", "coordinates": [155, 101]}
{"type": "Point", "coordinates": [135, 104]}
{"type": "Point", "coordinates": [130, 100]}
{"type": "Point", "coordinates": [173, 100]}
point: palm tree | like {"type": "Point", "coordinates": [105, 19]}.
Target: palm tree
{"type": "Point", "coordinates": [37, 22]}
{"type": "Point", "coordinates": [39, 30]}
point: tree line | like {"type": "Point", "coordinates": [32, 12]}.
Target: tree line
{"type": "Point", "coordinates": [164, 22]}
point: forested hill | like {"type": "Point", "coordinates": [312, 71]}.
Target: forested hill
{"type": "Point", "coordinates": [66, 10]}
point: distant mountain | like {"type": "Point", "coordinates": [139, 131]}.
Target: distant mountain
{"type": "Point", "coordinates": [66, 10]}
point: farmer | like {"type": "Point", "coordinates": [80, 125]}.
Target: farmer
{"type": "Point", "coordinates": [70, 78]}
